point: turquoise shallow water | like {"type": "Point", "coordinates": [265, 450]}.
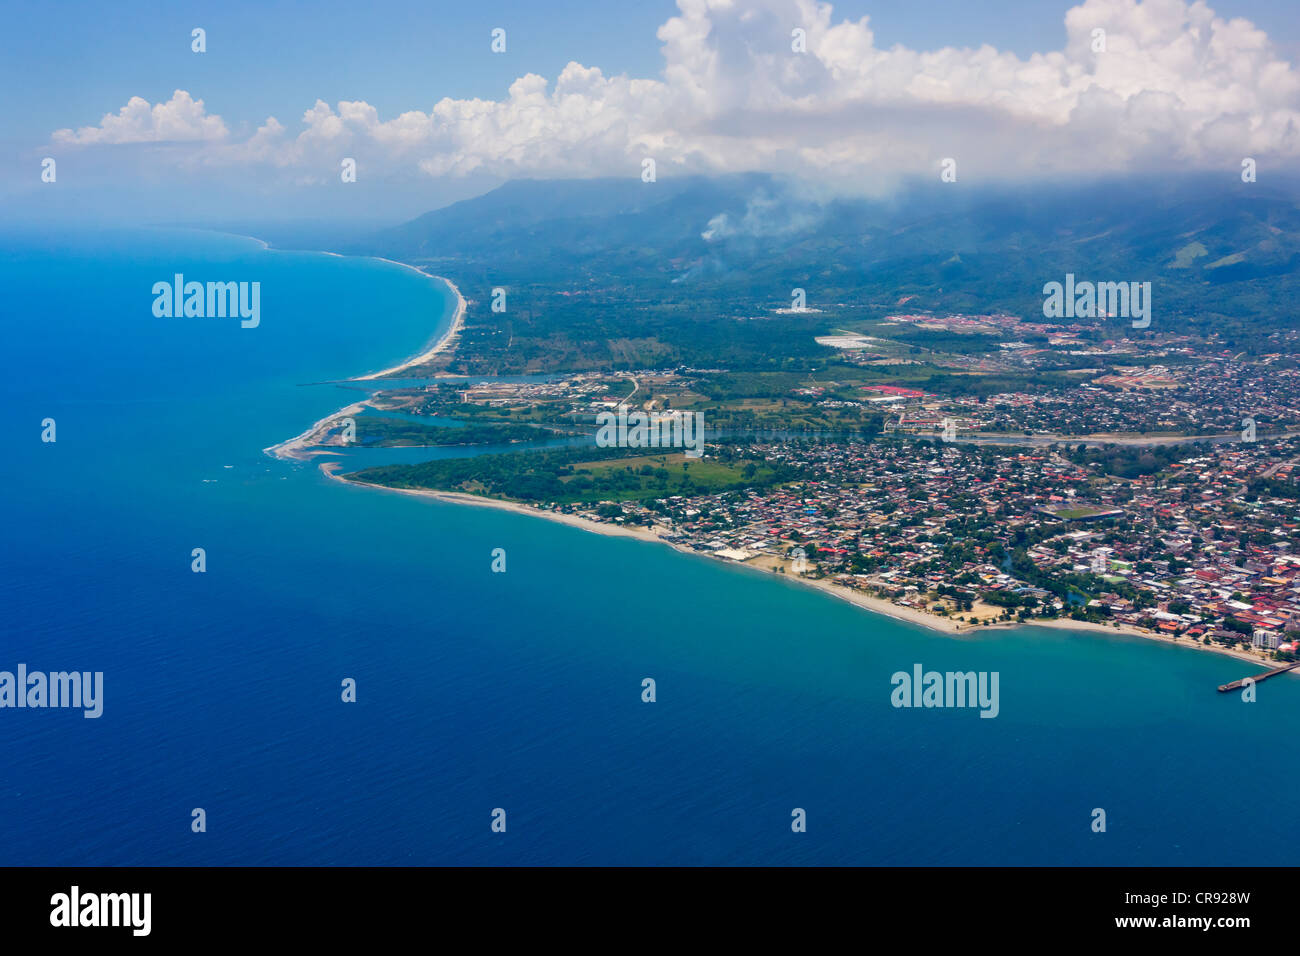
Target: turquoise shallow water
{"type": "Point", "coordinates": [518, 690]}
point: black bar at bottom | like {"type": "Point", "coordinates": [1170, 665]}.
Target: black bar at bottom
{"type": "Point", "coordinates": [337, 906]}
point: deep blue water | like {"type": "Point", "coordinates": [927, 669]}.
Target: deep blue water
{"type": "Point", "coordinates": [480, 690]}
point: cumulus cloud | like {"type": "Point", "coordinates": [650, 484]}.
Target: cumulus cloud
{"type": "Point", "coordinates": [1176, 84]}
{"type": "Point", "coordinates": [180, 119]}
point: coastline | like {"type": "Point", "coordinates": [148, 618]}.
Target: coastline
{"type": "Point", "coordinates": [295, 449]}
{"type": "Point", "coordinates": [444, 342]}
{"type": "Point", "coordinates": [865, 601]}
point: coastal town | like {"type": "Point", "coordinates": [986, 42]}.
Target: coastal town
{"type": "Point", "coordinates": [986, 509]}
{"type": "Point", "coordinates": [980, 537]}
{"type": "Point", "coordinates": [698, 434]}
{"type": "Point", "coordinates": [1158, 499]}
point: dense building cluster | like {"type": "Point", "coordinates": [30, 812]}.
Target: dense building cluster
{"type": "Point", "coordinates": [1203, 546]}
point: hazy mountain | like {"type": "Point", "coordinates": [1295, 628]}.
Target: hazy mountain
{"type": "Point", "coordinates": [756, 219]}
{"type": "Point", "coordinates": [1216, 250]}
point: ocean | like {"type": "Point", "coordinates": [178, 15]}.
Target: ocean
{"type": "Point", "coordinates": [519, 690]}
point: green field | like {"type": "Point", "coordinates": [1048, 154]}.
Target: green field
{"type": "Point", "coordinates": [583, 476]}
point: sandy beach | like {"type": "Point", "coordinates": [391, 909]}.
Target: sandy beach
{"type": "Point", "coordinates": [445, 342]}
{"type": "Point", "coordinates": [1072, 625]}
{"type": "Point", "coordinates": [863, 600]}
{"type": "Point", "coordinates": [331, 469]}
{"type": "Point", "coordinates": [888, 608]}
{"type": "Point", "coordinates": [300, 448]}
{"type": "Point", "coordinates": [297, 448]}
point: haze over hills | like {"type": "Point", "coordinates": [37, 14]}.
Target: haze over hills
{"type": "Point", "coordinates": [1181, 233]}
{"type": "Point", "coordinates": [621, 259]}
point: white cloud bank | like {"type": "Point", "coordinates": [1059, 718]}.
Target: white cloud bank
{"type": "Point", "coordinates": [180, 119]}
{"type": "Point", "coordinates": [1176, 87]}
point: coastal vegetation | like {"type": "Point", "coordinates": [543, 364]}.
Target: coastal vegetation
{"type": "Point", "coordinates": [377, 432]}
{"type": "Point", "coordinates": [581, 475]}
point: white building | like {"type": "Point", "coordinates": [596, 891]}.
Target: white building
{"type": "Point", "coordinates": [1263, 637]}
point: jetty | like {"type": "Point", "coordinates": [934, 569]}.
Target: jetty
{"type": "Point", "coordinates": [1258, 678]}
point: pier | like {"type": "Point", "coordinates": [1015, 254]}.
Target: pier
{"type": "Point", "coordinates": [1259, 678]}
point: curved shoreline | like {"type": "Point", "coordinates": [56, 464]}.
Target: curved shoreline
{"type": "Point", "coordinates": [443, 342]}
{"type": "Point", "coordinates": [296, 448]}
{"type": "Point", "coordinates": [865, 601]}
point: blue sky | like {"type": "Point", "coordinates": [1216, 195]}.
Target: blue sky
{"type": "Point", "coordinates": [67, 67]}
{"type": "Point", "coordinates": [70, 67]}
